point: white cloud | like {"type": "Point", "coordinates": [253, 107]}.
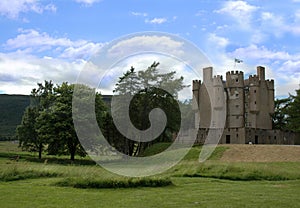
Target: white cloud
{"type": "Point", "coordinates": [241, 11]}
{"type": "Point", "coordinates": [156, 20]}
{"type": "Point", "coordinates": [148, 43]}
{"type": "Point", "coordinates": [278, 25]}
{"type": "Point", "coordinates": [219, 41]}
{"type": "Point", "coordinates": [143, 14]}
{"type": "Point", "coordinates": [23, 71]}
{"type": "Point", "coordinates": [83, 51]}
{"type": "Point", "coordinates": [256, 52]}
{"type": "Point", "coordinates": [12, 8]}
{"type": "Point", "coordinates": [87, 2]}
{"type": "Point", "coordinates": [32, 40]}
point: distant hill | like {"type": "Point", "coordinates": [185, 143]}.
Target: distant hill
{"type": "Point", "coordinates": [12, 108]}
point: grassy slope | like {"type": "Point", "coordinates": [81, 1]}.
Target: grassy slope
{"type": "Point", "coordinates": [11, 111]}
{"type": "Point", "coordinates": [187, 191]}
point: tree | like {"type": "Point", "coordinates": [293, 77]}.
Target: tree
{"type": "Point", "coordinates": [150, 89]}
{"type": "Point", "coordinates": [26, 132]}
{"type": "Point", "coordinates": [56, 124]}
{"type": "Point", "coordinates": [279, 118]}
{"type": "Point", "coordinates": [41, 100]}
{"type": "Point", "coordinates": [293, 112]}
{"type": "Point", "coordinates": [48, 122]}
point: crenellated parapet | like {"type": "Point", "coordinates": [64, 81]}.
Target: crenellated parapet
{"type": "Point", "coordinates": [196, 84]}
{"type": "Point", "coordinates": [253, 80]}
{"type": "Point", "coordinates": [218, 81]}
{"type": "Point", "coordinates": [270, 84]}
{"type": "Point", "coordinates": [234, 79]}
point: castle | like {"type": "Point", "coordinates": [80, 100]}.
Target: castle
{"type": "Point", "coordinates": [247, 105]}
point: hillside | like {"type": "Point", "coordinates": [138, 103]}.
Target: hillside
{"type": "Point", "coordinates": [261, 153]}
{"type": "Point", "coordinates": [11, 111]}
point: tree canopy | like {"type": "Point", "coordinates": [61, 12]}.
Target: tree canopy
{"type": "Point", "coordinates": [150, 89]}
{"type": "Point", "coordinates": [287, 113]}
{"type": "Point", "coordinates": [47, 123]}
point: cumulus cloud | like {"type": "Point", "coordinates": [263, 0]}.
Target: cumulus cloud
{"type": "Point", "coordinates": [261, 52]}
{"type": "Point", "coordinates": [156, 20]}
{"type": "Point", "coordinates": [148, 43]}
{"type": "Point", "coordinates": [12, 8]}
{"type": "Point", "coordinates": [33, 40]}
{"type": "Point", "coordinates": [217, 40]}
{"type": "Point", "coordinates": [26, 70]}
{"type": "Point", "coordinates": [241, 11]}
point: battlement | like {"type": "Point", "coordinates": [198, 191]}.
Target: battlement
{"type": "Point", "coordinates": [196, 84]}
{"type": "Point", "coordinates": [234, 73]}
{"type": "Point", "coordinates": [235, 79]}
{"type": "Point", "coordinates": [218, 80]}
{"type": "Point", "coordinates": [253, 80]}
{"type": "Point", "coordinates": [270, 84]}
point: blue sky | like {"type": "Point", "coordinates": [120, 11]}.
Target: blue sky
{"type": "Point", "coordinates": [53, 39]}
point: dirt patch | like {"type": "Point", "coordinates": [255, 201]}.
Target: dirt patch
{"type": "Point", "coordinates": [261, 153]}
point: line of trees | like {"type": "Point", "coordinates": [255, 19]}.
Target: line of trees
{"type": "Point", "coordinates": [47, 124]}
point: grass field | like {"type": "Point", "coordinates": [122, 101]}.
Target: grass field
{"type": "Point", "coordinates": [215, 183]}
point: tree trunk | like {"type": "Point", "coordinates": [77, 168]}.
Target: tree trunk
{"type": "Point", "coordinates": [72, 158]}
{"type": "Point", "coordinates": [72, 149]}
{"type": "Point", "coordinates": [40, 151]}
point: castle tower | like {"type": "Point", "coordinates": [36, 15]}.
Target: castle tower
{"type": "Point", "coordinates": [235, 99]}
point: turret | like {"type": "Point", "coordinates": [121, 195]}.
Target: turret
{"type": "Point", "coordinates": [235, 79]}
{"type": "Point", "coordinates": [270, 85]}
{"type": "Point", "coordinates": [235, 102]}
{"type": "Point", "coordinates": [207, 74]}
{"type": "Point", "coordinates": [261, 72]}
{"type": "Point", "coordinates": [196, 94]}
{"type": "Point", "coordinates": [218, 101]}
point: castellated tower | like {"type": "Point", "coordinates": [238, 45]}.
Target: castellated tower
{"type": "Point", "coordinates": [235, 99]}
{"type": "Point", "coordinates": [249, 107]}
{"type": "Point", "coordinates": [260, 100]}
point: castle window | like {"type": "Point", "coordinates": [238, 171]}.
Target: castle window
{"type": "Point", "coordinates": [255, 102]}
{"type": "Point", "coordinates": [236, 80]}
{"type": "Point", "coordinates": [254, 91]}
{"type": "Point", "coordinates": [274, 137]}
{"type": "Point", "coordinates": [237, 135]}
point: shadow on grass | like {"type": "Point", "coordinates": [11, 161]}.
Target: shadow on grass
{"type": "Point", "coordinates": [25, 156]}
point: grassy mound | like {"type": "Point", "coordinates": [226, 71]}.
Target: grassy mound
{"type": "Point", "coordinates": [13, 174]}
{"type": "Point", "coordinates": [113, 183]}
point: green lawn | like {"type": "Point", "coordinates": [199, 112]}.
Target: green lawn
{"type": "Point", "coordinates": [187, 192]}
{"type": "Point", "coordinates": [33, 183]}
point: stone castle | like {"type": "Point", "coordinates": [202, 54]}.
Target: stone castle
{"type": "Point", "coordinates": [247, 105]}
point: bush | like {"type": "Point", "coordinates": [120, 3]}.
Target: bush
{"type": "Point", "coordinates": [114, 183]}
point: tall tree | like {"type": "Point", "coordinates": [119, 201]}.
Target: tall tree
{"type": "Point", "coordinates": [56, 124]}
{"type": "Point", "coordinates": [279, 118]}
{"type": "Point", "coordinates": [41, 100]}
{"type": "Point", "coordinates": [293, 112]}
{"type": "Point", "coordinates": [151, 89]}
